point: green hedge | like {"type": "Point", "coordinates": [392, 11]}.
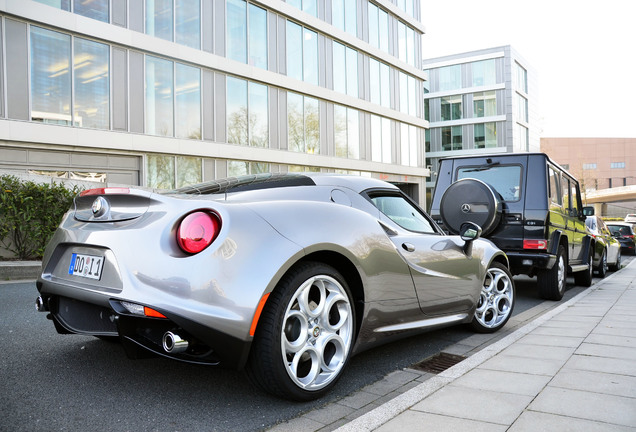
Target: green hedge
{"type": "Point", "coordinates": [30, 213]}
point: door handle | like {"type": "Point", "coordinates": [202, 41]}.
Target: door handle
{"type": "Point", "coordinates": [408, 247]}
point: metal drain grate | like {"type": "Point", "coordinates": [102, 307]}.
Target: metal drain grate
{"type": "Point", "coordinates": [438, 363]}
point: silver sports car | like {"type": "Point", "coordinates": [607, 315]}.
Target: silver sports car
{"type": "Point", "coordinates": [286, 276]}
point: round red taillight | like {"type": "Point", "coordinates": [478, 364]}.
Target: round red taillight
{"type": "Point", "coordinates": [197, 231]}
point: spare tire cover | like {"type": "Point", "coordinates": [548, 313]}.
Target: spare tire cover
{"type": "Point", "coordinates": [470, 200]}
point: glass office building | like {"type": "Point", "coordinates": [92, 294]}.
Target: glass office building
{"type": "Point", "coordinates": [479, 102]}
{"type": "Point", "coordinates": [165, 93]}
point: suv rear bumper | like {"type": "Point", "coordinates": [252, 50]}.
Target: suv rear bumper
{"type": "Point", "coordinates": [528, 262]}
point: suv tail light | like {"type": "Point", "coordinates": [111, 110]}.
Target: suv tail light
{"type": "Point", "coordinates": [535, 244]}
{"type": "Point", "coordinates": [197, 231]}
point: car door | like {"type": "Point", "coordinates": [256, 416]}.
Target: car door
{"type": "Point", "coordinates": [445, 278]}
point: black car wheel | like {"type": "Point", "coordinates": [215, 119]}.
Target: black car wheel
{"type": "Point", "coordinates": [584, 278]}
{"type": "Point", "coordinates": [552, 282]}
{"type": "Point", "coordinates": [496, 301]}
{"type": "Point", "coordinates": [305, 334]}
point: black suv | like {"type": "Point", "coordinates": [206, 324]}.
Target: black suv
{"type": "Point", "coordinates": [528, 206]}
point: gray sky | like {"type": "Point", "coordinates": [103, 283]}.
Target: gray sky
{"type": "Point", "coordinates": [583, 51]}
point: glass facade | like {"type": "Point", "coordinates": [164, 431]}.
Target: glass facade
{"type": "Point", "coordinates": [450, 78]}
{"type": "Point", "coordinates": [485, 135]}
{"type": "Point", "coordinates": [484, 73]}
{"type": "Point", "coordinates": [452, 138]}
{"type": "Point", "coordinates": [451, 108]}
{"type": "Point", "coordinates": [80, 82]}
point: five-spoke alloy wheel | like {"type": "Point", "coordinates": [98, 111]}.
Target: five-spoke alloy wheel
{"type": "Point", "coordinates": [496, 300]}
{"type": "Point", "coordinates": [305, 334]}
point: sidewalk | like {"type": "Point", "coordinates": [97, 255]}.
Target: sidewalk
{"type": "Point", "coordinates": [572, 369]}
{"type": "Point", "coordinates": [19, 270]}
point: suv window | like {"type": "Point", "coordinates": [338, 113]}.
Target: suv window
{"type": "Point", "coordinates": [555, 186]}
{"type": "Point", "coordinates": [505, 179]}
{"type": "Point", "coordinates": [403, 213]}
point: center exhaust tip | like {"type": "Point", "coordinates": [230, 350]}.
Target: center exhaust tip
{"type": "Point", "coordinates": [173, 343]}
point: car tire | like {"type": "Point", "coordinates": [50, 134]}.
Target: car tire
{"type": "Point", "coordinates": [552, 282]}
{"type": "Point", "coordinates": [601, 271]}
{"type": "Point", "coordinates": [496, 301]}
{"type": "Point", "coordinates": [617, 265]}
{"type": "Point", "coordinates": [584, 278]}
{"type": "Point", "coordinates": [305, 334]}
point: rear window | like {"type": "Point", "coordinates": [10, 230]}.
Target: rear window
{"type": "Point", "coordinates": [505, 179]}
{"type": "Point", "coordinates": [622, 230]}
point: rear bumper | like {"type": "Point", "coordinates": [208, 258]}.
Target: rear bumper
{"type": "Point", "coordinates": [530, 262]}
{"type": "Point", "coordinates": [141, 334]}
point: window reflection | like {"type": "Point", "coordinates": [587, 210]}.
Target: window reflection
{"type": "Point", "coordinates": [96, 9]}
{"type": "Point", "coordinates": [187, 23]}
{"type": "Point", "coordinates": [344, 15]}
{"type": "Point", "coordinates": [346, 132]}
{"type": "Point", "coordinates": [303, 124]}
{"type": "Point", "coordinates": [159, 19]}
{"type": "Point", "coordinates": [91, 84]}
{"type": "Point", "coordinates": [160, 171]}
{"type": "Point", "coordinates": [237, 30]}
{"type": "Point", "coordinates": [294, 49]}
{"type": "Point", "coordinates": [408, 140]}
{"type": "Point", "coordinates": [310, 56]}
{"type": "Point", "coordinates": [188, 100]}
{"type": "Point", "coordinates": [189, 171]}
{"type": "Point", "coordinates": [159, 105]}
{"type": "Point", "coordinates": [50, 76]}
{"type": "Point", "coordinates": [451, 107]}
{"type": "Point", "coordinates": [247, 113]}
{"type": "Point", "coordinates": [345, 69]}
{"type": "Point", "coordinates": [484, 73]}
{"type": "Point", "coordinates": [450, 78]}
{"type": "Point", "coordinates": [484, 104]}
{"type": "Point", "coordinates": [257, 37]}
{"type": "Point", "coordinates": [381, 146]}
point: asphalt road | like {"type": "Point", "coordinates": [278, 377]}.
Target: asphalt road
{"type": "Point", "coordinates": [71, 382]}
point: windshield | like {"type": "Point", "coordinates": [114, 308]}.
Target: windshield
{"type": "Point", "coordinates": [506, 180]}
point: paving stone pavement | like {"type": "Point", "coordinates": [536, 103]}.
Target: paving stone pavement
{"type": "Point", "coordinates": [573, 368]}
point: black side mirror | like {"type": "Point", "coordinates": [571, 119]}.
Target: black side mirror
{"type": "Point", "coordinates": [469, 232]}
{"type": "Point", "coordinates": [588, 211]}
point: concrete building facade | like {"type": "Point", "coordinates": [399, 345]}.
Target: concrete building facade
{"type": "Point", "coordinates": [164, 93]}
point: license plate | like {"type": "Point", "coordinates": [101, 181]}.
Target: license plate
{"type": "Point", "coordinates": [87, 266]}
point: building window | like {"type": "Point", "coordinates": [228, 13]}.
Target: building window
{"type": "Point", "coordinates": [54, 84]}
{"type": "Point", "coordinates": [451, 108]}
{"type": "Point", "coordinates": [450, 77]}
{"type": "Point", "coordinates": [346, 132]}
{"type": "Point", "coordinates": [236, 168]}
{"type": "Point", "coordinates": [159, 18]}
{"type": "Point", "coordinates": [96, 9]}
{"type": "Point", "coordinates": [408, 141]}
{"type": "Point", "coordinates": [484, 104]}
{"type": "Point", "coordinates": [247, 113]}
{"type": "Point", "coordinates": [302, 53]}
{"type": "Point", "coordinates": [524, 138]}
{"type": "Point", "coordinates": [50, 76]}
{"type": "Point", "coordinates": [379, 83]}
{"type": "Point", "coordinates": [484, 73]}
{"type": "Point", "coordinates": [381, 146]}
{"type": "Point", "coordinates": [520, 76]}
{"type": "Point", "coordinates": [345, 70]}
{"type": "Point", "coordinates": [247, 33]}
{"type": "Point", "coordinates": [159, 96]}
{"type": "Point", "coordinates": [187, 22]}
{"type": "Point", "coordinates": [303, 124]}
{"type": "Point", "coordinates": [521, 108]}
{"type": "Point", "coordinates": [168, 172]}
{"type": "Point", "coordinates": [617, 165]}
{"type": "Point", "coordinates": [175, 20]}
{"type": "Point", "coordinates": [451, 138]}
{"type": "Point", "coordinates": [188, 102]}
{"type": "Point", "coordinates": [408, 94]}
{"type": "Point", "coordinates": [91, 82]}
{"type": "Point", "coordinates": [485, 135]}
{"type": "Point", "coordinates": [378, 28]}
{"type": "Point", "coordinates": [308, 6]}
{"type": "Point", "coordinates": [237, 30]}
{"type": "Point", "coordinates": [589, 166]}
{"type": "Point", "coordinates": [344, 16]}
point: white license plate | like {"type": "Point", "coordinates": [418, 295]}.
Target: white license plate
{"type": "Point", "coordinates": [88, 266]}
